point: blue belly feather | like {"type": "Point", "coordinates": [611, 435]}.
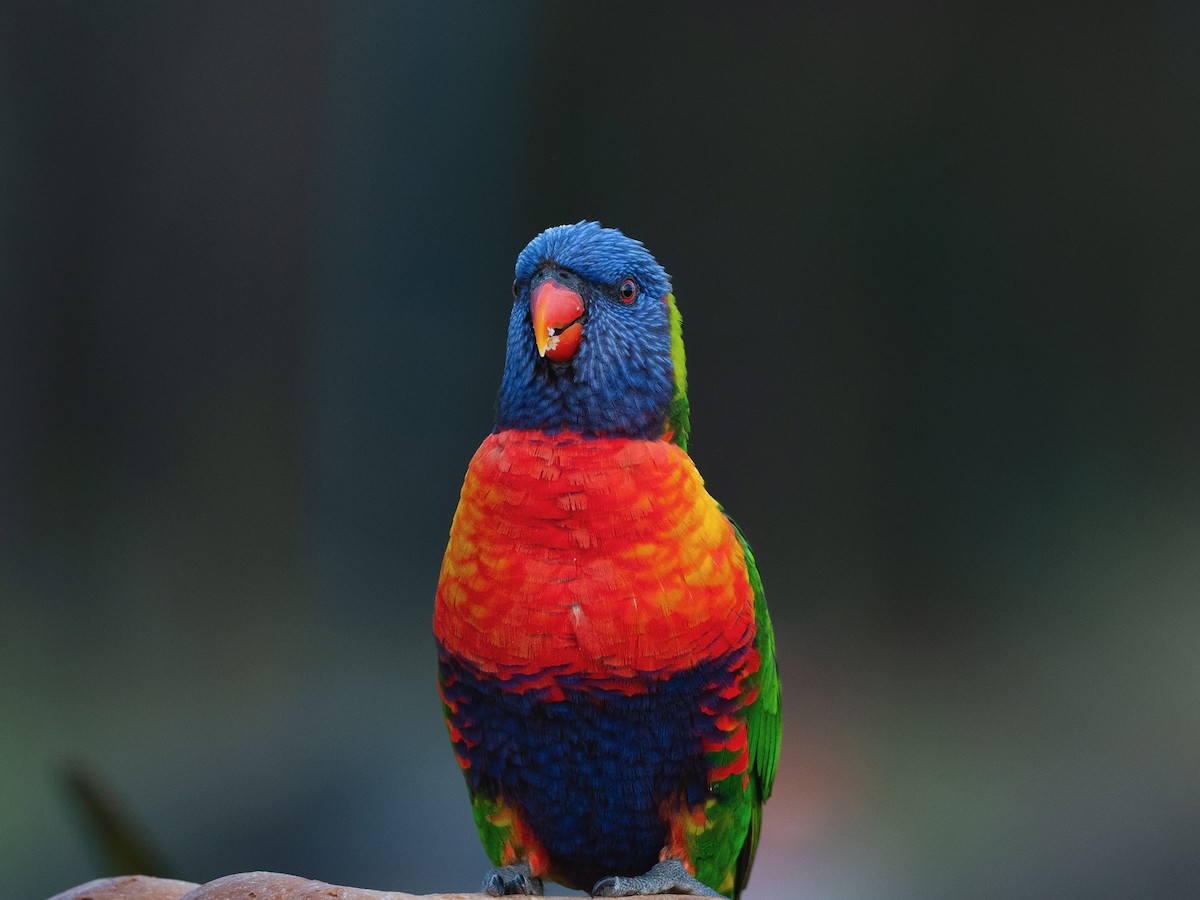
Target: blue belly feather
{"type": "Point", "coordinates": [590, 773]}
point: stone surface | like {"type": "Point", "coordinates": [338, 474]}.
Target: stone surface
{"type": "Point", "coordinates": [248, 886]}
{"type": "Point", "coordinates": [129, 887]}
{"type": "Point", "coordinates": [273, 886]}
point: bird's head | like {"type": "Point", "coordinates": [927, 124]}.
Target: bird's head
{"type": "Point", "coordinates": [594, 343]}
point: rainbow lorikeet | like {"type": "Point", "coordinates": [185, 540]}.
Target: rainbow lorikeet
{"type": "Point", "coordinates": [606, 661]}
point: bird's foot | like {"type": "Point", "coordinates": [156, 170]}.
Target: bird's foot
{"type": "Point", "coordinates": [667, 877]}
{"type": "Point", "coordinates": [517, 879]}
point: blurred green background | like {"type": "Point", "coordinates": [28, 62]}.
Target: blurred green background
{"type": "Point", "coordinates": [939, 266]}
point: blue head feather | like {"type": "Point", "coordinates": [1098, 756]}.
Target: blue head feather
{"type": "Point", "coordinates": [621, 379]}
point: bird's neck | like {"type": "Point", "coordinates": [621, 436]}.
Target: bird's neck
{"type": "Point", "coordinates": [537, 396]}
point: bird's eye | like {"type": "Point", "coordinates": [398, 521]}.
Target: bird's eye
{"type": "Point", "coordinates": [628, 290]}
{"type": "Point", "coordinates": [516, 289]}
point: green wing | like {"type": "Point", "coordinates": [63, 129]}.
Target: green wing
{"type": "Point", "coordinates": [762, 718]}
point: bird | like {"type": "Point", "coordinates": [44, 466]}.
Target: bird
{"type": "Point", "coordinates": [606, 661]}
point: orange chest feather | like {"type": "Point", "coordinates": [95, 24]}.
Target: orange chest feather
{"type": "Point", "coordinates": [604, 557]}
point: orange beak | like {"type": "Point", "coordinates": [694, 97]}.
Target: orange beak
{"type": "Point", "coordinates": [557, 314]}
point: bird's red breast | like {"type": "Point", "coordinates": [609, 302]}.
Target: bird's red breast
{"type": "Point", "coordinates": [603, 557]}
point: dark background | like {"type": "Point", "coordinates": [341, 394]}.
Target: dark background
{"type": "Point", "coordinates": [939, 269]}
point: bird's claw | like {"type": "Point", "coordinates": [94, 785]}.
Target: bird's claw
{"type": "Point", "coordinates": [516, 879]}
{"type": "Point", "coordinates": [667, 877]}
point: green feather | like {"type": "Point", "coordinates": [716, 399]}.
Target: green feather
{"type": "Point", "coordinates": [678, 413]}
